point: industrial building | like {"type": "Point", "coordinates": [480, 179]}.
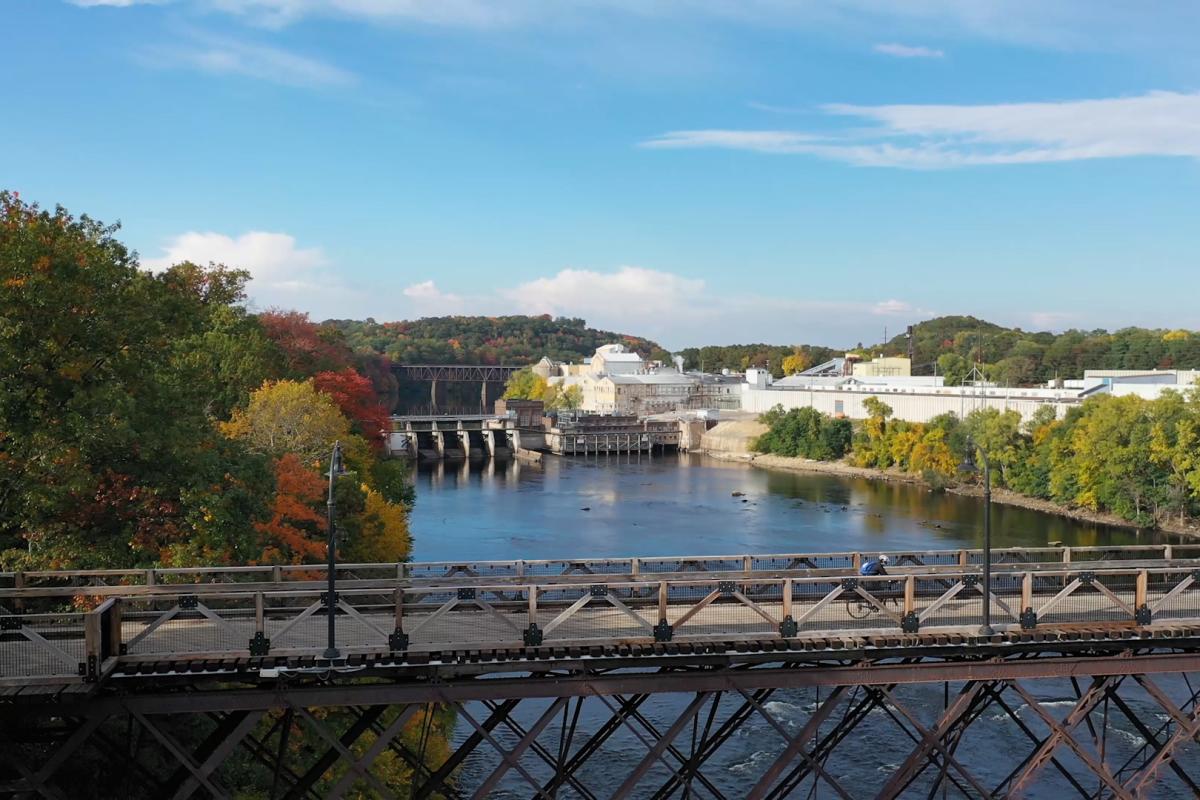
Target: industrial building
{"type": "Point", "coordinates": [616, 380]}
{"type": "Point", "coordinates": [841, 392]}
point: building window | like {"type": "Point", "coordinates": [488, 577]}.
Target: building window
{"type": "Point", "coordinates": [838, 407]}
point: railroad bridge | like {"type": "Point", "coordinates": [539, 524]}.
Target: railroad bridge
{"type": "Point", "coordinates": [551, 666]}
{"type": "Point", "coordinates": [485, 375]}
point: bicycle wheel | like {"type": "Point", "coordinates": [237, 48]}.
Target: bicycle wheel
{"type": "Point", "coordinates": [859, 608]}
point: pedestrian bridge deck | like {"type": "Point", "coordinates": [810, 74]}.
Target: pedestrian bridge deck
{"type": "Point", "coordinates": [69, 628]}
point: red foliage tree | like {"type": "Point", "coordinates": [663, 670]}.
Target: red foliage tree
{"type": "Point", "coordinates": [356, 397]}
{"type": "Point", "coordinates": [308, 348]}
{"type": "Point", "coordinates": [294, 532]}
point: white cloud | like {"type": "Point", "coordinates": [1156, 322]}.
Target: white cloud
{"type": "Point", "coordinates": [225, 56]}
{"type": "Point", "coordinates": [282, 274]}
{"type": "Point", "coordinates": [428, 300]}
{"type": "Point", "coordinates": [907, 51]}
{"type": "Point", "coordinates": [671, 308]}
{"type": "Point", "coordinates": [942, 136]}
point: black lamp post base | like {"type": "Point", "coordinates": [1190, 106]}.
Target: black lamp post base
{"type": "Point", "coordinates": [332, 654]}
{"type": "Point", "coordinates": [986, 630]}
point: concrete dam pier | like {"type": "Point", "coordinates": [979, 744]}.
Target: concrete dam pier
{"type": "Point", "coordinates": [507, 435]}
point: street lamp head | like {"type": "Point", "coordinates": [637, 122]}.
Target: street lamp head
{"type": "Point", "coordinates": [337, 467]}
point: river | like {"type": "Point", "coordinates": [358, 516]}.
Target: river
{"type": "Point", "coordinates": [685, 505]}
{"type": "Point", "coordinates": [676, 505]}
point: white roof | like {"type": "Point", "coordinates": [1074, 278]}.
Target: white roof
{"type": "Point", "coordinates": [614, 356]}
{"type": "Point", "coordinates": [654, 377]}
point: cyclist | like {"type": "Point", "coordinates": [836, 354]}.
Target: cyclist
{"type": "Point", "coordinates": [875, 566]}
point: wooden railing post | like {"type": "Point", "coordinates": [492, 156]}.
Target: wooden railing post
{"type": "Point", "coordinates": [1140, 609]}
{"type": "Point", "coordinates": [19, 583]}
{"type": "Point", "coordinates": [856, 561]}
{"type": "Point", "coordinates": [910, 594]}
{"type": "Point", "coordinates": [115, 616]}
{"type": "Point", "coordinates": [964, 557]}
{"type": "Point", "coordinates": [1026, 595]}
{"type": "Point", "coordinates": [150, 577]}
{"type": "Point", "coordinates": [635, 566]}
{"type": "Point", "coordinates": [662, 601]}
{"type": "Point", "coordinates": [276, 574]}
{"type": "Point", "coordinates": [260, 623]}
{"type": "Point", "coordinates": [787, 598]}
{"type": "Point", "coordinates": [1168, 553]}
{"type": "Point", "coordinates": [747, 562]}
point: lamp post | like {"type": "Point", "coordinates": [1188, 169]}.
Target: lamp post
{"type": "Point", "coordinates": [969, 465]}
{"type": "Point", "coordinates": [336, 469]}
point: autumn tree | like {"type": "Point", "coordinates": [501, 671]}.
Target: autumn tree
{"type": "Point", "coordinates": [289, 417]}
{"type": "Point", "coordinates": [295, 532]}
{"type": "Point", "coordinates": [106, 458]}
{"type": "Point", "coordinates": [357, 400]}
{"type": "Point", "coordinates": [525, 384]}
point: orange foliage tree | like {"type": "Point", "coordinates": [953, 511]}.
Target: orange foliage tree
{"type": "Point", "coordinates": [294, 533]}
{"type": "Point", "coordinates": [356, 397]}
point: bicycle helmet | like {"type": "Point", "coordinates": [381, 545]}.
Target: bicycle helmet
{"type": "Point", "coordinates": [883, 559]}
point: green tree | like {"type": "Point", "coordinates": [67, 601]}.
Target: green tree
{"type": "Point", "coordinates": [107, 453]}
{"type": "Point", "coordinates": [525, 384]}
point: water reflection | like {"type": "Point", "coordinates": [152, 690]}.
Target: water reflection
{"type": "Point", "coordinates": [668, 505]}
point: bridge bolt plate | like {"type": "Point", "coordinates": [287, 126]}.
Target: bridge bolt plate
{"type": "Point", "coordinates": [788, 628]}
{"type": "Point", "coordinates": [1086, 578]}
{"type": "Point", "coordinates": [598, 590]}
{"type": "Point", "coordinates": [466, 593]}
{"type": "Point", "coordinates": [849, 584]}
{"type": "Point", "coordinates": [10, 623]}
{"type": "Point", "coordinates": [260, 645]}
{"type": "Point", "coordinates": [188, 602]}
{"type": "Point", "coordinates": [533, 635]}
{"type": "Point", "coordinates": [970, 581]}
{"type": "Point", "coordinates": [726, 588]}
{"type": "Point", "coordinates": [910, 623]}
{"type": "Point", "coordinates": [1143, 615]}
{"type": "Point", "coordinates": [663, 631]}
{"type": "Point", "coordinates": [398, 642]}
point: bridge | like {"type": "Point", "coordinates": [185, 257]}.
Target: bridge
{"type": "Point", "coordinates": [483, 374]}
{"type": "Point", "coordinates": [1086, 640]}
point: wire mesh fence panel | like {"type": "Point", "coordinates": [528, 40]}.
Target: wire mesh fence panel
{"type": "Point", "coordinates": [592, 615]}
{"type": "Point", "coordinates": [1089, 602]}
{"type": "Point", "coordinates": [1174, 596]}
{"type": "Point", "coordinates": [946, 602]}
{"type": "Point", "coordinates": [41, 645]}
{"type": "Point", "coordinates": [727, 615]}
{"type": "Point", "coordinates": [924, 558]}
{"type": "Point", "coordinates": [188, 631]}
{"type": "Point", "coordinates": [790, 562]}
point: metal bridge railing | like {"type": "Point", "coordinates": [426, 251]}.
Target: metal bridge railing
{"type": "Point", "coordinates": [524, 569]}
{"type": "Point", "coordinates": [177, 625]}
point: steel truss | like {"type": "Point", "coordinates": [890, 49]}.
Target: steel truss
{"type": "Point", "coordinates": [551, 735]}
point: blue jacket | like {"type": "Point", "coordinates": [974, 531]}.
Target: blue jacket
{"type": "Point", "coordinates": [872, 567]}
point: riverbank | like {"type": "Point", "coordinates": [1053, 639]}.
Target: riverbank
{"type": "Point", "coordinates": [1189, 528]}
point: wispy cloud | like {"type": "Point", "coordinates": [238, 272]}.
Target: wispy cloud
{"type": "Point", "coordinates": [227, 56]}
{"type": "Point", "coordinates": [943, 136]}
{"type": "Point", "coordinates": [907, 51]}
{"type": "Point", "coordinates": [672, 308]}
{"type": "Point", "coordinates": [114, 3]}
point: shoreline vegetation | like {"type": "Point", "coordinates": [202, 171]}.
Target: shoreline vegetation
{"type": "Point", "coordinates": [999, 494]}
{"type": "Point", "coordinates": [1116, 461]}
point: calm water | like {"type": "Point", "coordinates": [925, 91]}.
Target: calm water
{"type": "Point", "coordinates": [684, 505]}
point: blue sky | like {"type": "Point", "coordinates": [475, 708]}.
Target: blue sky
{"type": "Point", "coordinates": [697, 171]}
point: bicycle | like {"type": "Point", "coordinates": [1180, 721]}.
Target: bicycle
{"type": "Point", "coordinates": [859, 607]}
